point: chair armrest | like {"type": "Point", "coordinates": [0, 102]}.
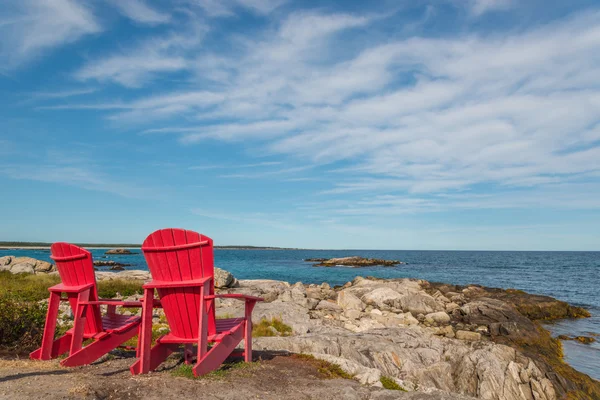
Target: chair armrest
{"type": "Point", "coordinates": [176, 284]}
{"type": "Point", "coordinates": [238, 296]}
{"type": "Point", "coordinates": [61, 288]}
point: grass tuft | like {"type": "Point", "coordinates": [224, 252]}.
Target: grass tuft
{"type": "Point", "coordinates": [390, 383]}
{"type": "Point", "coordinates": [326, 369]}
{"type": "Point", "coordinates": [264, 328]}
{"type": "Point", "coordinates": [185, 370]}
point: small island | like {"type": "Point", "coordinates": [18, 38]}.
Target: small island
{"type": "Point", "coordinates": [353, 262]}
{"type": "Point", "coordinates": [119, 252]}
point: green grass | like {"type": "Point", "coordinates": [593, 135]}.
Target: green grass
{"type": "Point", "coordinates": [26, 287]}
{"type": "Point", "coordinates": [390, 383]}
{"type": "Point", "coordinates": [185, 370]}
{"type": "Point", "coordinates": [325, 368]}
{"type": "Point", "coordinates": [109, 289]}
{"type": "Point", "coordinates": [29, 287]}
{"type": "Point", "coordinates": [263, 328]}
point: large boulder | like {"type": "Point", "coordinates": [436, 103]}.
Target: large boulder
{"type": "Point", "coordinates": [419, 303]}
{"type": "Point", "coordinates": [349, 301]}
{"type": "Point", "coordinates": [23, 267]}
{"type": "Point", "coordinates": [224, 279]}
{"type": "Point", "coordinates": [383, 298]}
{"type": "Point", "coordinates": [500, 318]}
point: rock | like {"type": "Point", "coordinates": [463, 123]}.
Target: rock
{"type": "Point", "coordinates": [439, 317]}
{"type": "Point", "coordinates": [580, 339]}
{"type": "Point", "coordinates": [44, 267]}
{"type": "Point", "coordinates": [326, 305]}
{"type": "Point", "coordinates": [349, 301]}
{"type": "Point", "coordinates": [355, 262]}
{"type": "Point", "coordinates": [119, 251]}
{"type": "Point", "coordinates": [133, 274]}
{"type": "Point", "coordinates": [22, 268]}
{"type": "Point", "coordinates": [467, 335]}
{"type": "Point", "coordinates": [117, 268]}
{"type": "Point", "coordinates": [224, 279]}
{"type": "Point", "coordinates": [291, 314]}
{"type": "Point", "coordinates": [501, 318]}
{"type": "Point", "coordinates": [6, 260]}
{"type": "Point", "coordinates": [109, 263]}
{"type": "Point", "coordinates": [383, 298]}
{"type": "Point", "coordinates": [419, 303]}
{"type": "Point", "coordinates": [446, 331]}
{"type": "Point", "coordinates": [352, 314]}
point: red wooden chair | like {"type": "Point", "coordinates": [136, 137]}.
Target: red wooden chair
{"type": "Point", "coordinates": [181, 264]}
{"type": "Point", "coordinates": [76, 270]}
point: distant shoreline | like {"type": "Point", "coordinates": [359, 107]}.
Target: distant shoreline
{"type": "Point", "coordinates": [46, 246]}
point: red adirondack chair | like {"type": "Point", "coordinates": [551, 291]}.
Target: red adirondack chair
{"type": "Point", "coordinates": [181, 264]}
{"type": "Point", "coordinates": [76, 270]}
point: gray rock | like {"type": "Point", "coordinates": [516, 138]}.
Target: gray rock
{"type": "Point", "coordinates": [383, 298]}
{"type": "Point", "coordinates": [326, 305]}
{"type": "Point", "coordinates": [224, 279]}
{"type": "Point", "coordinates": [420, 303]}
{"type": "Point", "coordinates": [439, 317]}
{"type": "Point", "coordinates": [22, 268]}
{"type": "Point", "coordinates": [349, 301]}
{"type": "Point", "coordinates": [468, 335]}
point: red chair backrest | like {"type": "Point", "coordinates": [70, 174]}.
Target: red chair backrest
{"type": "Point", "coordinates": [76, 267]}
{"type": "Point", "coordinates": [175, 255]}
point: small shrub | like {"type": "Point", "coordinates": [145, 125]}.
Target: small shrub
{"type": "Point", "coordinates": [21, 324]}
{"type": "Point", "coordinates": [390, 383]}
{"type": "Point", "coordinates": [263, 328]}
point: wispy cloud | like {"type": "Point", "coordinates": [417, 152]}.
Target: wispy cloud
{"type": "Point", "coordinates": [480, 7]}
{"type": "Point", "coordinates": [31, 27]}
{"type": "Point", "coordinates": [140, 12]}
{"type": "Point", "coordinates": [412, 115]}
{"type": "Point", "coordinates": [132, 67]}
{"type": "Point", "coordinates": [227, 8]}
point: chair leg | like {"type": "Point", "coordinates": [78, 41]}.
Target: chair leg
{"type": "Point", "coordinates": [145, 338]}
{"type": "Point", "coordinates": [45, 351]}
{"type": "Point", "coordinates": [158, 354]}
{"type": "Point", "coordinates": [248, 340]}
{"type": "Point", "coordinates": [219, 352]}
{"type": "Point", "coordinates": [188, 352]}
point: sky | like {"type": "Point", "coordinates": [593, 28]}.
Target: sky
{"type": "Point", "coordinates": [421, 124]}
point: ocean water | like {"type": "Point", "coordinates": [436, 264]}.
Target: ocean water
{"type": "Point", "coordinates": [570, 276]}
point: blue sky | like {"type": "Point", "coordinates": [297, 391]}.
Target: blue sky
{"type": "Point", "coordinates": [440, 124]}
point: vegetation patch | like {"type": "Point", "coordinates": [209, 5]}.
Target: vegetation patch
{"type": "Point", "coordinates": [185, 370]}
{"type": "Point", "coordinates": [272, 327]}
{"type": "Point", "coordinates": [21, 324]}
{"type": "Point", "coordinates": [390, 383]}
{"type": "Point", "coordinates": [126, 288]}
{"type": "Point", "coordinates": [326, 369]}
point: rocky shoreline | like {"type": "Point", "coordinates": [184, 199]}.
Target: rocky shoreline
{"type": "Point", "coordinates": [445, 340]}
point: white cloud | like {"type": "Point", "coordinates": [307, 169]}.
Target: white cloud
{"type": "Point", "coordinates": [134, 67]}
{"type": "Point", "coordinates": [409, 115]}
{"type": "Point", "coordinates": [140, 12]}
{"type": "Point", "coordinates": [31, 27]}
{"type": "Point", "coordinates": [227, 8]}
{"type": "Point", "coordinates": [480, 7]}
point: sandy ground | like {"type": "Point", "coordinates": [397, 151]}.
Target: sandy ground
{"type": "Point", "coordinates": [272, 377]}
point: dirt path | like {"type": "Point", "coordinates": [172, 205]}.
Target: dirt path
{"type": "Point", "coordinates": [277, 377]}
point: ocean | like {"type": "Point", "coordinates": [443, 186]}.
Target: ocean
{"type": "Point", "coordinates": [570, 276]}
